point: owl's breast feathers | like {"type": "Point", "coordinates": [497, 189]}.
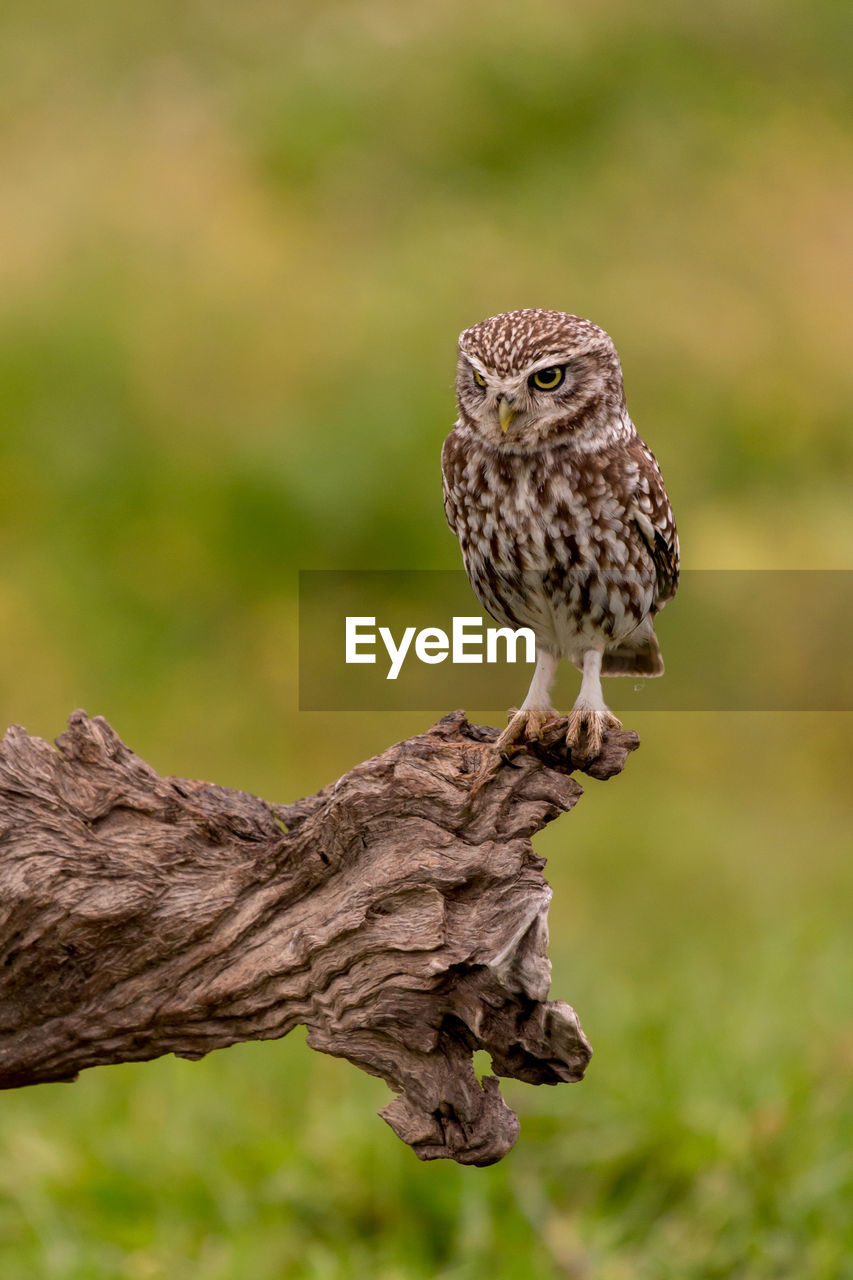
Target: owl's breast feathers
{"type": "Point", "coordinates": [552, 516]}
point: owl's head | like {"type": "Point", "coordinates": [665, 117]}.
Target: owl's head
{"type": "Point", "coordinates": [531, 378]}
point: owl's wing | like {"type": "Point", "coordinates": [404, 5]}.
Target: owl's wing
{"type": "Point", "coordinates": [451, 509]}
{"type": "Point", "coordinates": [653, 517]}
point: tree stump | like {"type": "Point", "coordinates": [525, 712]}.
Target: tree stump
{"type": "Point", "coordinates": [400, 915]}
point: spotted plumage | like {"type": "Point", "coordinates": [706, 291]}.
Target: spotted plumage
{"type": "Point", "coordinates": [559, 507]}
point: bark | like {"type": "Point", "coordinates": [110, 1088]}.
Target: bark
{"type": "Point", "coordinates": [400, 915]}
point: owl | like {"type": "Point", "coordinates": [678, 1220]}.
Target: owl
{"type": "Point", "coordinates": [560, 509]}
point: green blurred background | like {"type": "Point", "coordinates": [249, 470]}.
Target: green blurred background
{"type": "Point", "coordinates": [238, 243]}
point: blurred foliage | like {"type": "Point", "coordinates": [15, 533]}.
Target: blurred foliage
{"type": "Point", "coordinates": [239, 242]}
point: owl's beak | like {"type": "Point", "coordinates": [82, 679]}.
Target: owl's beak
{"type": "Point", "coordinates": [506, 413]}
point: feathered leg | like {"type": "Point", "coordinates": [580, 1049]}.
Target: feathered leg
{"type": "Point", "coordinates": [590, 711]}
{"type": "Point", "coordinates": [536, 708]}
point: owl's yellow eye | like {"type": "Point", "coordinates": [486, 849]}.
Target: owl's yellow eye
{"type": "Point", "coordinates": [548, 379]}
{"type": "Point", "coordinates": [478, 377]}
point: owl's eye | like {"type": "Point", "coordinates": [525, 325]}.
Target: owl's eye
{"type": "Point", "coordinates": [548, 379]}
{"type": "Point", "coordinates": [478, 377]}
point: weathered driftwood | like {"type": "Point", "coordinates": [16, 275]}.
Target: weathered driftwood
{"type": "Point", "coordinates": [400, 915]}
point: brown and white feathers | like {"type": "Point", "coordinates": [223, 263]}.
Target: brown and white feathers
{"type": "Point", "coordinates": [559, 506]}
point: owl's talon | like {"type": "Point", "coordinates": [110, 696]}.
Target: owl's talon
{"type": "Point", "coordinates": [508, 760]}
{"type": "Point", "coordinates": [524, 726]}
{"type": "Point", "coordinates": [590, 722]}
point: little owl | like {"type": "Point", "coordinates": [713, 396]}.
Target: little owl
{"type": "Point", "coordinates": [559, 508]}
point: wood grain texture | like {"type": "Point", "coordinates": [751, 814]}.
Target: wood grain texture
{"type": "Point", "coordinates": [400, 915]}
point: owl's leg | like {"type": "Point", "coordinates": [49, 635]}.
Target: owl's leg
{"type": "Point", "coordinates": [590, 711]}
{"type": "Point", "coordinates": [536, 708]}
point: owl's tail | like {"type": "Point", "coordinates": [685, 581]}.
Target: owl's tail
{"type": "Point", "coordinates": [638, 655]}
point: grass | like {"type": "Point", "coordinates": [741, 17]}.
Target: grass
{"type": "Point", "coordinates": [240, 243]}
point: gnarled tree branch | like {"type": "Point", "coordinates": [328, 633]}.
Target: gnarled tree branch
{"type": "Point", "coordinates": [400, 915]}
